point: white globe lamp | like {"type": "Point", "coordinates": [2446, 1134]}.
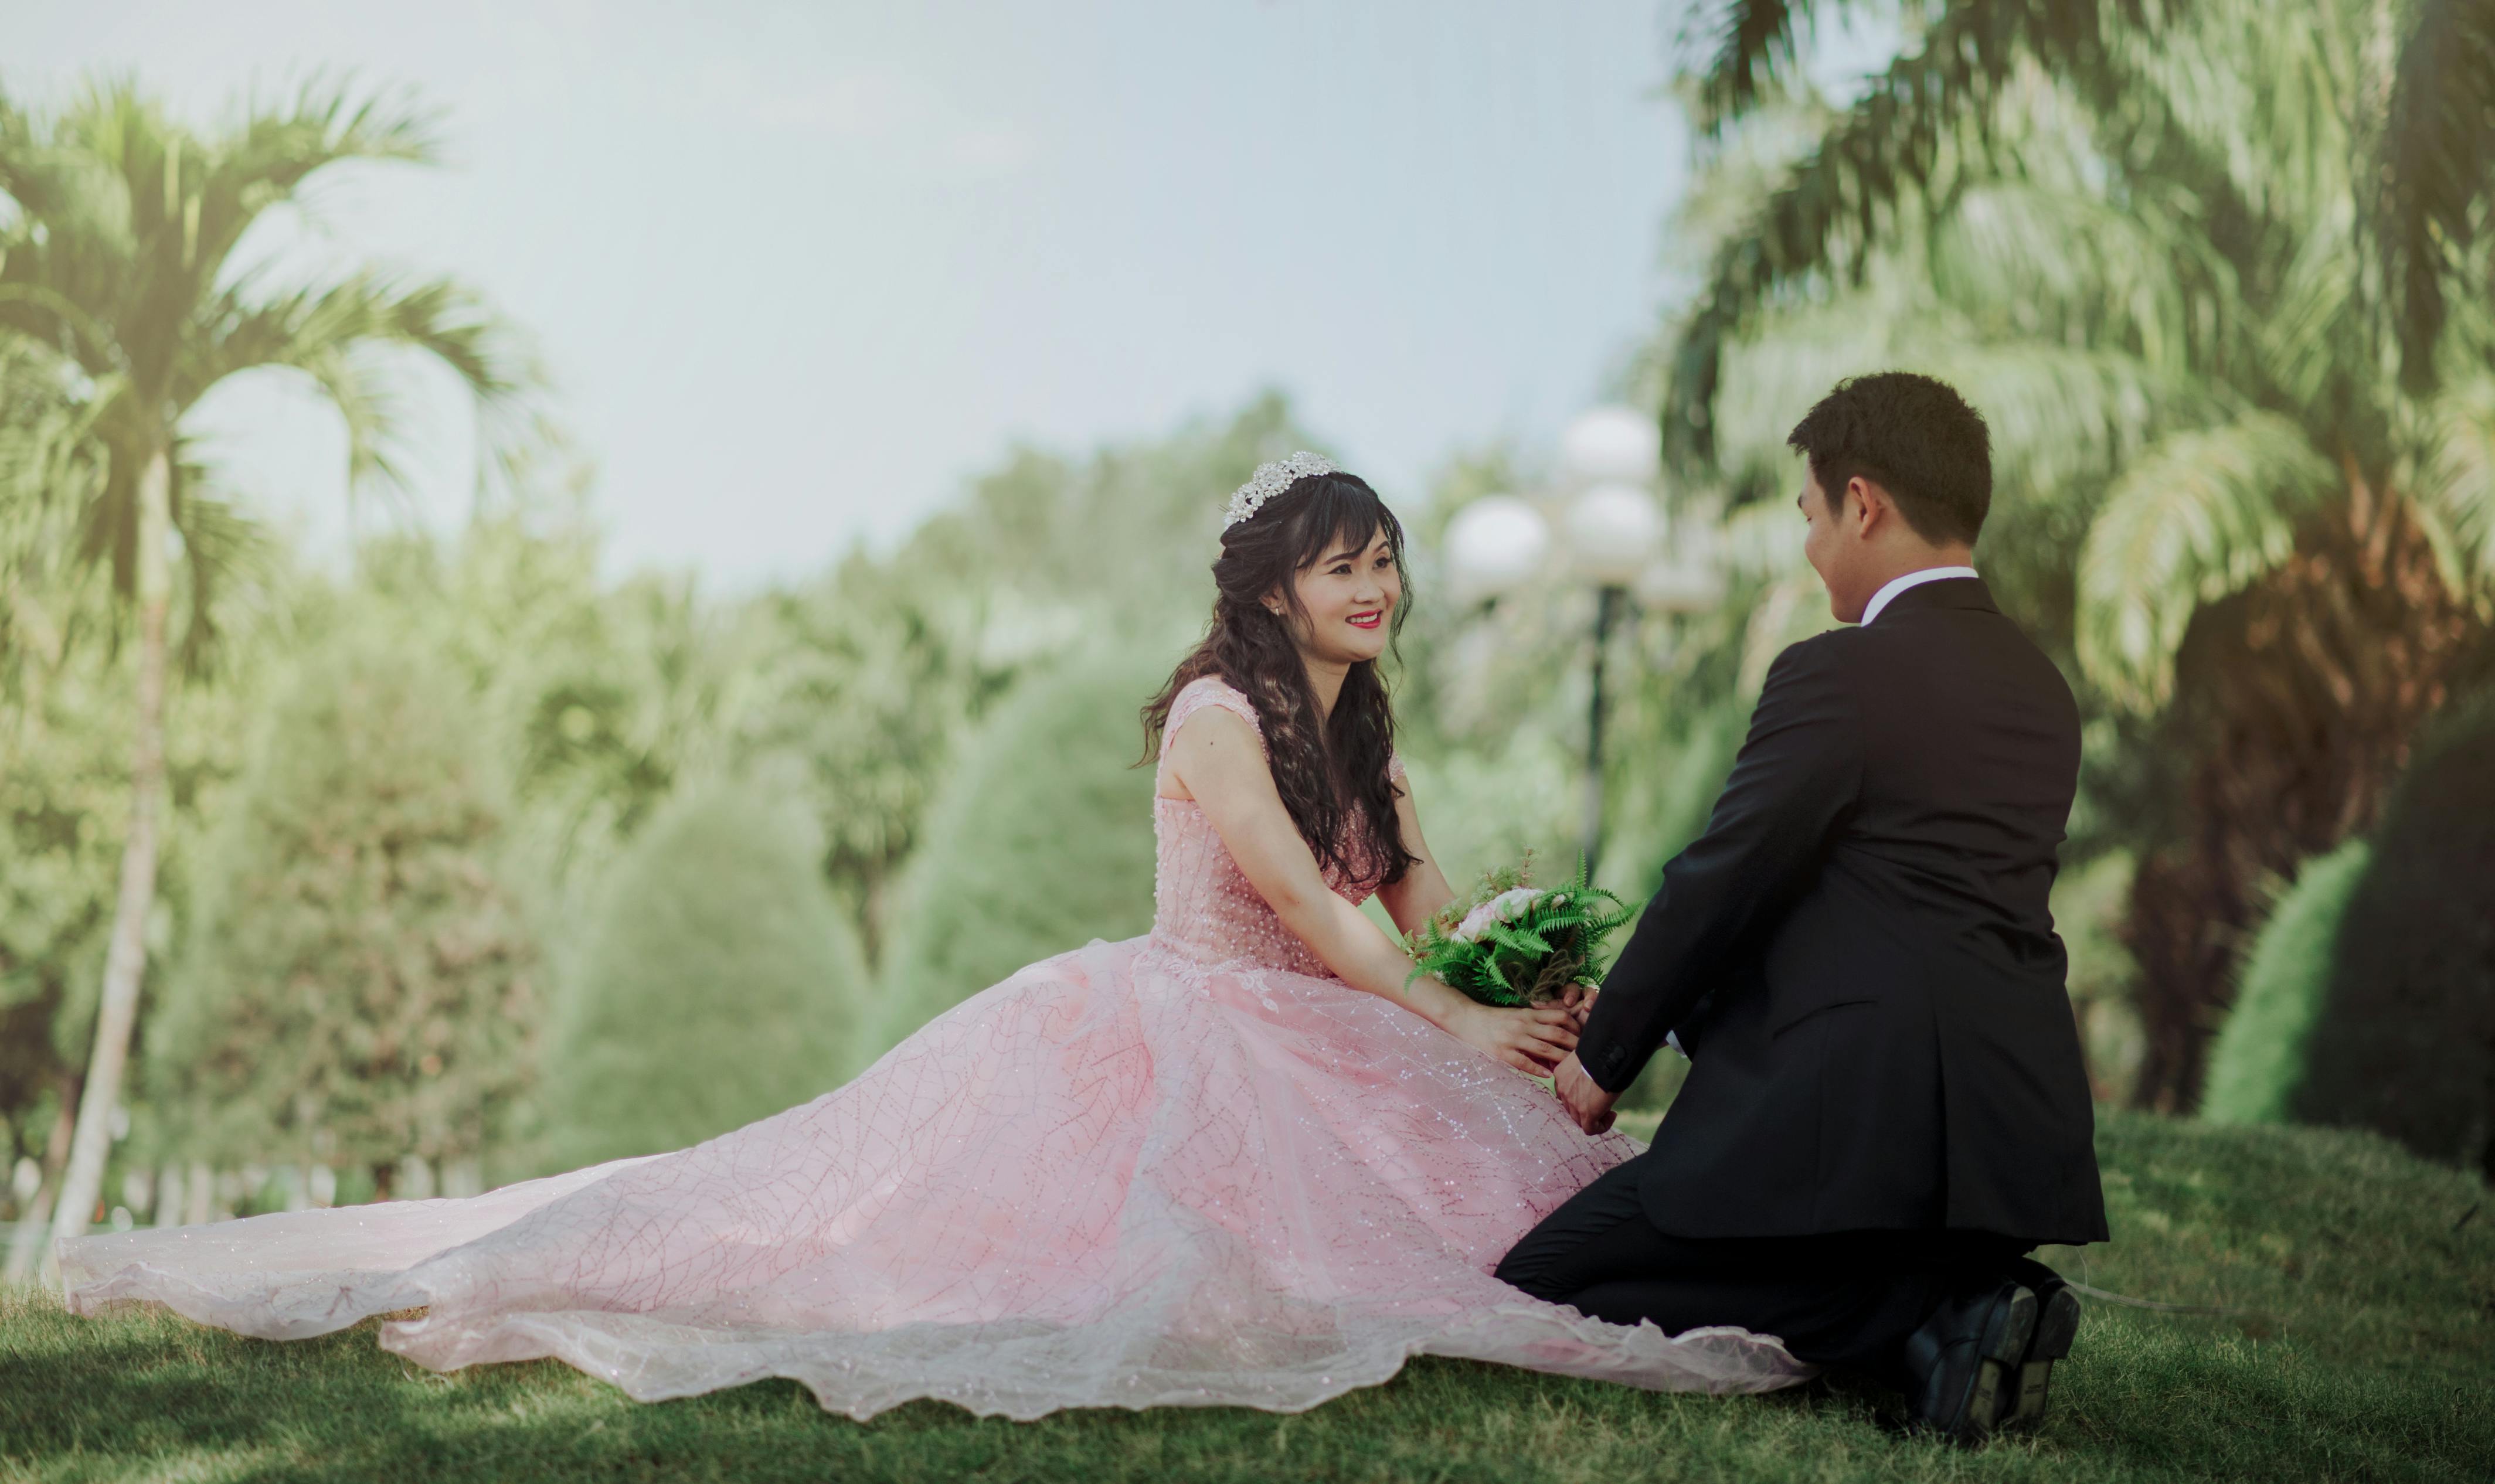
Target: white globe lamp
{"type": "Point", "coordinates": [1612, 532]}
{"type": "Point", "coordinates": [1678, 585]}
{"type": "Point", "coordinates": [1494, 545]}
{"type": "Point", "coordinates": [1611, 446]}
{"type": "Point", "coordinates": [1683, 578]}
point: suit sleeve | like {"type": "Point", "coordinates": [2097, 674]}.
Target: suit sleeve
{"type": "Point", "coordinates": [1795, 778]}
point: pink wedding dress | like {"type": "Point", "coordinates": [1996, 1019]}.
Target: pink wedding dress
{"type": "Point", "coordinates": [1189, 1168]}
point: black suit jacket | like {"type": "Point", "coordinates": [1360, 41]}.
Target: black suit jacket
{"type": "Point", "coordinates": [1859, 955]}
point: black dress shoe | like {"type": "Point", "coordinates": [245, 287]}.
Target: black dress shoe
{"type": "Point", "coordinates": [1964, 1362]}
{"type": "Point", "coordinates": [2057, 1324]}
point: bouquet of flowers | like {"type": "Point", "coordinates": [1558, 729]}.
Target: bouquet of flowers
{"type": "Point", "coordinates": [1515, 943]}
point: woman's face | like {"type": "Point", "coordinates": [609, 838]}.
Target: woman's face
{"type": "Point", "coordinates": [1346, 603]}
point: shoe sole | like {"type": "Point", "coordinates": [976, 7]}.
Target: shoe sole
{"type": "Point", "coordinates": [2005, 1344]}
{"type": "Point", "coordinates": [2057, 1324]}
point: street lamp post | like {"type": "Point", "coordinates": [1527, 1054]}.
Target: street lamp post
{"type": "Point", "coordinates": [1609, 457]}
{"type": "Point", "coordinates": [1610, 533]}
{"type": "Point", "coordinates": [1608, 601]}
{"type": "Point", "coordinates": [1612, 529]}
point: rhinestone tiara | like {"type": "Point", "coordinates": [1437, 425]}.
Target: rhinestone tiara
{"type": "Point", "coordinates": [1272, 479]}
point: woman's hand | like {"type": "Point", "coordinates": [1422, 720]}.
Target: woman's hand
{"type": "Point", "coordinates": [1532, 1040]}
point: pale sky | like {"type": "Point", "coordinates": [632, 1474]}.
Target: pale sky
{"type": "Point", "coordinates": [799, 270]}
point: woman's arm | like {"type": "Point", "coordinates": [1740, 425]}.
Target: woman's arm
{"type": "Point", "coordinates": [1216, 759]}
{"type": "Point", "coordinates": [1422, 890]}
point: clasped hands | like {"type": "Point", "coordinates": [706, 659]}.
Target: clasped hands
{"type": "Point", "coordinates": [1578, 1093]}
{"type": "Point", "coordinates": [1539, 1041]}
{"type": "Point", "coordinates": [1584, 1100]}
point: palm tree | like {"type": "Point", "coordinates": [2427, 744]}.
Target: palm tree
{"type": "Point", "coordinates": [120, 261]}
{"type": "Point", "coordinates": [2423, 126]}
{"type": "Point", "coordinates": [2260, 474]}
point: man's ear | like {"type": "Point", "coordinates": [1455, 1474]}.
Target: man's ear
{"type": "Point", "coordinates": [1871, 505]}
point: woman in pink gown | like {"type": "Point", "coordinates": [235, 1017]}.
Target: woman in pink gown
{"type": "Point", "coordinates": [1238, 1161]}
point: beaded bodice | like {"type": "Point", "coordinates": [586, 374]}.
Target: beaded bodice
{"type": "Point", "coordinates": [1204, 905]}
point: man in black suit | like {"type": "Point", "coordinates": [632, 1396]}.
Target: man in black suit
{"type": "Point", "coordinates": [1886, 1106]}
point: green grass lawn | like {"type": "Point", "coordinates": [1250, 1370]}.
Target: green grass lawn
{"type": "Point", "coordinates": [2363, 1348]}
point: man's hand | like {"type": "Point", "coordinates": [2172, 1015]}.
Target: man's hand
{"type": "Point", "coordinates": [1586, 1103]}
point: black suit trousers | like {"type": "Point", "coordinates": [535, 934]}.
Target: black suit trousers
{"type": "Point", "coordinates": [1844, 1299]}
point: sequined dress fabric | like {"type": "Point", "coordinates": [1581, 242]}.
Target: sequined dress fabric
{"type": "Point", "coordinates": [1188, 1168]}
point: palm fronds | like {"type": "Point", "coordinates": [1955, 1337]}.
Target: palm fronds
{"type": "Point", "coordinates": [119, 261]}
{"type": "Point", "coordinates": [1754, 42]}
{"type": "Point", "coordinates": [2437, 168]}
{"type": "Point", "coordinates": [2201, 515]}
{"type": "Point", "coordinates": [330, 333]}
{"type": "Point", "coordinates": [279, 146]}
{"type": "Point", "coordinates": [1902, 140]}
{"type": "Point", "coordinates": [50, 463]}
{"type": "Point", "coordinates": [2454, 496]}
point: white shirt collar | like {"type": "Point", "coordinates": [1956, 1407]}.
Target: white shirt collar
{"type": "Point", "coordinates": [1897, 584]}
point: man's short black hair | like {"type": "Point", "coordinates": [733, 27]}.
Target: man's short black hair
{"type": "Point", "coordinates": [1911, 435]}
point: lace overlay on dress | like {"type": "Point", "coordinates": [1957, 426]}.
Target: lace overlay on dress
{"type": "Point", "coordinates": [1189, 1168]}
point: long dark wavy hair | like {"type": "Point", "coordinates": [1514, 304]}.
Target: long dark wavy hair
{"type": "Point", "coordinates": [1331, 776]}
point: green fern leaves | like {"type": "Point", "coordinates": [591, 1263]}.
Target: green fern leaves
{"type": "Point", "coordinates": [1512, 945]}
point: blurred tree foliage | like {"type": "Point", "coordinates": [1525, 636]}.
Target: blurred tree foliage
{"type": "Point", "coordinates": [2091, 899]}
{"type": "Point", "coordinates": [1041, 841]}
{"type": "Point", "coordinates": [1126, 535]}
{"type": "Point", "coordinates": [357, 985]}
{"type": "Point", "coordinates": [2260, 1056]}
{"type": "Point", "coordinates": [66, 710]}
{"type": "Point", "coordinates": [118, 263]}
{"type": "Point", "coordinates": [62, 797]}
{"type": "Point", "coordinates": [872, 674]}
{"type": "Point", "coordinates": [878, 668]}
{"type": "Point", "coordinates": [1482, 809]}
{"type": "Point", "coordinates": [50, 466]}
{"type": "Point", "coordinates": [594, 696]}
{"type": "Point", "coordinates": [719, 983]}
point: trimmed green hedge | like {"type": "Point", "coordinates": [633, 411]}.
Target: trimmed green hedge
{"type": "Point", "coordinates": [720, 984]}
{"type": "Point", "coordinates": [1041, 841]}
{"type": "Point", "coordinates": [2407, 1037]}
{"type": "Point", "coordinates": [2259, 1058]}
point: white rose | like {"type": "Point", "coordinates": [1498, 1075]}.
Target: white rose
{"type": "Point", "coordinates": [1505, 907]}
